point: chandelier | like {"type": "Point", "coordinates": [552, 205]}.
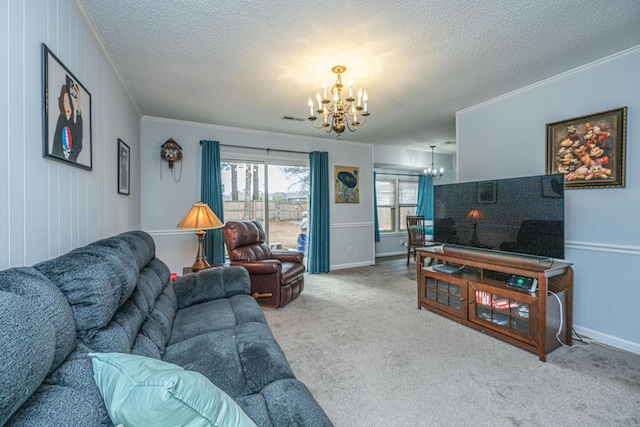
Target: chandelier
{"type": "Point", "coordinates": [432, 171]}
{"type": "Point", "coordinates": [338, 114]}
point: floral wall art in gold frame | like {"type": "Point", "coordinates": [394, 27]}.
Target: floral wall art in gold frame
{"type": "Point", "coordinates": [589, 150]}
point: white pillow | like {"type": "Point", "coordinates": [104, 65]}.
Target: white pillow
{"type": "Point", "coordinates": [142, 391]}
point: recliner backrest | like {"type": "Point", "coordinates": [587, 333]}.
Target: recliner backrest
{"type": "Point", "coordinates": [245, 241]}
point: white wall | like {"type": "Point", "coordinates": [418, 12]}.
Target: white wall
{"type": "Point", "coordinates": [164, 201]}
{"type": "Point", "coordinates": [506, 137]}
{"type": "Point", "coordinates": [48, 208]}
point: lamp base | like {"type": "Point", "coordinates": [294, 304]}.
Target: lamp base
{"type": "Point", "coordinates": [201, 260]}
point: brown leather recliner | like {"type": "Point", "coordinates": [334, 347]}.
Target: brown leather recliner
{"type": "Point", "coordinates": [276, 277]}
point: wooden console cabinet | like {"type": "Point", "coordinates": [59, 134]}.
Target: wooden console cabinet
{"type": "Point", "coordinates": [479, 297]}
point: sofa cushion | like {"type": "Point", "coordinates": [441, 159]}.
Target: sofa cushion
{"type": "Point", "coordinates": [211, 284]}
{"type": "Point", "coordinates": [142, 245]}
{"type": "Point", "coordinates": [159, 322]}
{"type": "Point", "coordinates": [47, 299]}
{"type": "Point", "coordinates": [215, 315]}
{"type": "Point", "coordinates": [67, 397]}
{"type": "Point", "coordinates": [215, 356]}
{"type": "Point", "coordinates": [144, 391]}
{"type": "Point", "coordinates": [95, 280]}
{"type": "Point", "coordinates": [24, 365]}
{"type": "Point", "coordinates": [113, 298]}
{"type": "Point", "coordinates": [240, 360]}
{"type": "Point", "coordinates": [286, 402]}
{"type": "Point", "coordinates": [37, 333]}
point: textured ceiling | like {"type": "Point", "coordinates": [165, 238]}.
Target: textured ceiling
{"type": "Point", "coordinates": [250, 63]}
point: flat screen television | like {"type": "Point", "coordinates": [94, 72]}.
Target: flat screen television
{"type": "Point", "coordinates": [521, 215]}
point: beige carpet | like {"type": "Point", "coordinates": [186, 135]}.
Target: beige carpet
{"type": "Point", "coordinates": [371, 358]}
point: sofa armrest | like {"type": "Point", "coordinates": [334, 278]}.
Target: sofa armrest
{"type": "Point", "coordinates": [211, 284]}
{"type": "Point", "coordinates": [290, 256]}
{"type": "Point", "coordinates": [265, 266]}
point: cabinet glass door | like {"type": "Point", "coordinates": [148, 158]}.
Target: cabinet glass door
{"type": "Point", "coordinates": [446, 295]}
{"type": "Point", "coordinates": [509, 313]}
{"type": "Point", "coordinates": [502, 311]}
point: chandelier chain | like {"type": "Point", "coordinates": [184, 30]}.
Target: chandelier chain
{"type": "Point", "coordinates": [432, 171]}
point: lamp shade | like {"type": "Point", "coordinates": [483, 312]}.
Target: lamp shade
{"type": "Point", "coordinates": [200, 217]}
{"type": "Point", "coordinates": [475, 214]}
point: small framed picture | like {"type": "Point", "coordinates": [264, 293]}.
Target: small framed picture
{"type": "Point", "coordinates": [124, 163]}
{"type": "Point", "coordinates": [66, 114]}
{"type": "Point", "coordinates": [487, 192]}
{"type": "Point", "coordinates": [589, 150]}
{"type": "Point", "coordinates": [553, 185]}
{"type": "Point", "coordinates": [346, 184]}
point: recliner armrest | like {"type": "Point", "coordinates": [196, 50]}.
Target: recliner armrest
{"type": "Point", "coordinates": [265, 266]}
{"type": "Point", "coordinates": [289, 256]}
{"type": "Point", "coordinates": [211, 284]}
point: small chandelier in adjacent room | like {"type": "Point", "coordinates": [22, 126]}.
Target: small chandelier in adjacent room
{"type": "Point", "coordinates": [338, 114]}
{"type": "Point", "coordinates": [432, 171]}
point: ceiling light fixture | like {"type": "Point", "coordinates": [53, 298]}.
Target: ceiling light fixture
{"type": "Point", "coordinates": [432, 171]}
{"type": "Point", "coordinates": [338, 114]}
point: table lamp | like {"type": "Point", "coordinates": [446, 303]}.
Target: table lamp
{"type": "Point", "coordinates": [475, 215]}
{"type": "Point", "coordinates": [200, 217]}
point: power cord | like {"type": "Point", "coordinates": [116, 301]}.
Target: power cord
{"type": "Point", "coordinates": [574, 333]}
{"type": "Point", "coordinates": [561, 319]}
{"type": "Point", "coordinates": [586, 342]}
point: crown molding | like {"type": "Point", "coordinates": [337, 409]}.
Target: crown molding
{"type": "Point", "coordinates": [81, 9]}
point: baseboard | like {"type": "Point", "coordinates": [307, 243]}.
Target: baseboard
{"type": "Point", "coordinates": [353, 265]}
{"type": "Point", "coordinates": [386, 254]}
{"type": "Point", "coordinates": [609, 340]}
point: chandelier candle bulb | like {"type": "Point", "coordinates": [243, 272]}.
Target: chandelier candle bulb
{"type": "Point", "coordinates": [339, 114]}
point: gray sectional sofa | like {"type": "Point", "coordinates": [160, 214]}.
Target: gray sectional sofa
{"type": "Point", "coordinates": [115, 296]}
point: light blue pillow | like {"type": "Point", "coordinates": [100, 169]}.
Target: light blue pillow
{"type": "Point", "coordinates": [142, 391]}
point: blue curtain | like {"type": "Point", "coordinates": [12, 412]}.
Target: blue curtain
{"type": "Point", "coordinates": [211, 194]}
{"type": "Point", "coordinates": [318, 255]}
{"type": "Point", "coordinates": [376, 228]}
{"type": "Point", "coordinates": [425, 197]}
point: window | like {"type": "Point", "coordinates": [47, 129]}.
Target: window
{"type": "Point", "coordinates": [277, 195]}
{"type": "Point", "coordinates": [386, 198]}
{"type": "Point", "coordinates": [407, 200]}
{"type": "Point", "coordinates": [396, 197]}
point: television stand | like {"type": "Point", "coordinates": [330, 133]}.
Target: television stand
{"type": "Point", "coordinates": [480, 298]}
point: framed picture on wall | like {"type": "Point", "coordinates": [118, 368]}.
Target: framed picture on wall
{"type": "Point", "coordinates": [124, 163]}
{"type": "Point", "coordinates": [66, 114]}
{"type": "Point", "coordinates": [346, 184]}
{"type": "Point", "coordinates": [487, 192]}
{"type": "Point", "coordinates": [589, 150]}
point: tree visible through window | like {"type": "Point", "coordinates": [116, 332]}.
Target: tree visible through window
{"type": "Point", "coordinates": [275, 195]}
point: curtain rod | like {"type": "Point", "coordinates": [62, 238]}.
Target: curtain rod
{"type": "Point", "coordinates": [265, 149]}
{"type": "Point", "coordinates": [417, 174]}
